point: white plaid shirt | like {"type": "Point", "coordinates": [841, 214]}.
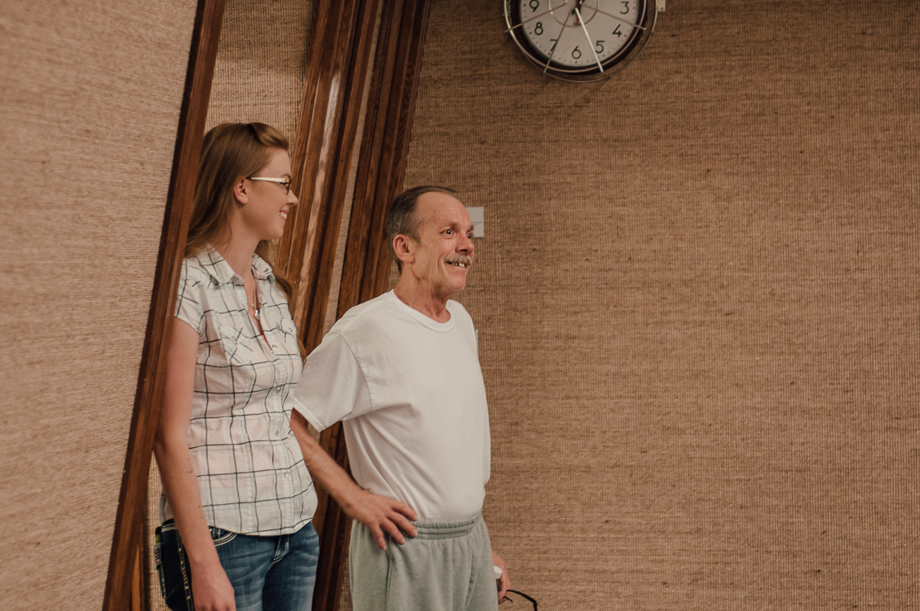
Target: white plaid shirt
{"type": "Point", "coordinates": [250, 469]}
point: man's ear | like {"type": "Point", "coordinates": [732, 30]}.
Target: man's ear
{"type": "Point", "coordinates": [239, 191]}
{"type": "Point", "coordinates": [404, 248]}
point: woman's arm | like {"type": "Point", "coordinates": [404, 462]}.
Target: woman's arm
{"type": "Point", "coordinates": [210, 587]}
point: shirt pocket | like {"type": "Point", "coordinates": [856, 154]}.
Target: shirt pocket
{"type": "Point", "coordinates": [289, 335]}
{"type": "Point", "coordinates": [235, 345]}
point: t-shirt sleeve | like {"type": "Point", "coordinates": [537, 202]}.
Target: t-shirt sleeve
{"type": "Point", "coordinates": [188, 301]}
{"type": "Point", "coordinates": [332, 386]}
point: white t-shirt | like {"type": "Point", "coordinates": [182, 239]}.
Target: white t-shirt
{"type": "Point", "coordinates": [412, 398]}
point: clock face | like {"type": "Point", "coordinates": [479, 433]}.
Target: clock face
{"type": "Point", "coordinates": [576, 36]}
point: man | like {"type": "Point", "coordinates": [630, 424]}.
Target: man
{"type": "Point", "coordinates": [402, 373]}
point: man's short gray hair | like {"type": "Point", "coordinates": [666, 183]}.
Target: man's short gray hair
{"type": "Point", "coordinates": [402, 219]}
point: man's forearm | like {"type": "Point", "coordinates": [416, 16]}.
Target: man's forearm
{"type": "Point", "coordinates": [378, 513]}
{"type": "Point", "coordinates": [330, 476]}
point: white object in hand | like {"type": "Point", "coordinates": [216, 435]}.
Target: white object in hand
{"type": "Point", "coordinates": [498, 571]}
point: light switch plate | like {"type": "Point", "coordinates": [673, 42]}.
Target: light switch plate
{"type": "Point", "coordinates": [477, 215]}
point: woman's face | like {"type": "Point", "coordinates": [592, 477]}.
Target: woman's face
{"type": "Point", "coordinates": [268, 203]}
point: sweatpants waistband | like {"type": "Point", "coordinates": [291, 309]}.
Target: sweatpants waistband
{"type": "Point", "coordinates": [446, 530]}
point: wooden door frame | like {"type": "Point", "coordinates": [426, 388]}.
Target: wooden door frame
{"type": "Point", "coordinates": [341, 47]}
{"type": "Point", "coordinates": [380, 171]}
{"type": "Point", "coordinates": [127, 561]}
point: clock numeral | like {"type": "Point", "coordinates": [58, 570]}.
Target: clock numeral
{"type": "Point", "coordinates": [625, 8]}
{"type": "Point", "coordinates": [599, 46]}
{"type": "Point", "coordinates": [538, 29]}
{"type": "Point", "coordinates": [617, 32]}
{"type": "Point", "coordinates": [576, 53]}
{"type": "Point", "coordinates": [534, 5]}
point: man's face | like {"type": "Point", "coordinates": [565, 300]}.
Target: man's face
{"type": "Point", "coordinates": [443, 253]}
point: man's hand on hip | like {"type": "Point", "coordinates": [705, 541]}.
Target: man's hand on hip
{"type": "Point", "coordinates": [381, 515]}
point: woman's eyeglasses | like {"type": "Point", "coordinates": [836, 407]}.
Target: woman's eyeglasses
{"type": "Point", "coordinates": [284, 182]}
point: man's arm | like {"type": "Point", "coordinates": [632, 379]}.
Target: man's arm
{"type": "Point", "coordinates": [378, 513]}
{"type": "Point", "coordinates": [504, 582]}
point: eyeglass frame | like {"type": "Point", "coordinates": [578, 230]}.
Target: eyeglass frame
{"type": "Point", "coordinates": [530, 599]}
{"type": "Point", "coordinates": [284, 182]}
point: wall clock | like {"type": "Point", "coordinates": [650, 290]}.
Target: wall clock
{"type": "Point", "coordinates": [581, 40]}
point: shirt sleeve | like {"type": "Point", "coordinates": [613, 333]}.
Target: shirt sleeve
{"type": "Point", "coordinates": [188, 301]}
{"type": "Point", "coordinates": [332, 386]}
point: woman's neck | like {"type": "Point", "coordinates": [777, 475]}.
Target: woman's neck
{"type": "Point", "coordinates": [236, 251]}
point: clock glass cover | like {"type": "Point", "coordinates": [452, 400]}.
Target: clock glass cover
{"type": "Point", "coordinates": [578, 38]}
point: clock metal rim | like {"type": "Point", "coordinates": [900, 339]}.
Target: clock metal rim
{"type": "Point", "coordinates": [631, 50]}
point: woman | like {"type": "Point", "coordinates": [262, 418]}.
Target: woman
{"type": "Point", "coordinates": [238, 499]}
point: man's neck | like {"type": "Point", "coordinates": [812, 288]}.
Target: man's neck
{"type": "Point", "coordinates": [420, 297]}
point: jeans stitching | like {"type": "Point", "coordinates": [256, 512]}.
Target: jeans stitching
{"type": "Point", "coordinates": [282, 549]}
{"type": "Point", "coordinates": [186, 576]}
{"type": "Point", "coordinates": [158, 557]}
{"type": "Point", "coordinates": [221, 539]}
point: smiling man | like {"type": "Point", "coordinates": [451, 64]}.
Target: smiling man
{"type": "Point", "coordinates": [402, 373]}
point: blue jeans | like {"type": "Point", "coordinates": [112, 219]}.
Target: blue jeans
{"type": "Point", "coordinates": [273, 573]}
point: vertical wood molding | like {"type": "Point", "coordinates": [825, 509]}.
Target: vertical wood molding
{"type": "Point", "coordinates": [340, 53]}
{"type": "Point", "coordinates": [127, 544]}
{"type": "Point", "coordinates": [381, 167]}
{"type": "Point", "coordinates": [382, 163]}
{"type": "Point", "coordinates": [327, 127]}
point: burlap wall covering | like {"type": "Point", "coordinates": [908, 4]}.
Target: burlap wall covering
{"type": "Point", "coordinates": [698, 302]}
{"type": "Point", "coordinates": [259, 74]}
{"type": "Point", "coordinates": [89, 105]}
{"type": "Point", "coordinates": [261, 63]}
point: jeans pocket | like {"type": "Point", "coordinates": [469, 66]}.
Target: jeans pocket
{"type": "Point", "coordinates": [173, 569]}
{"type": "Point", "coordinates": [221, 537]}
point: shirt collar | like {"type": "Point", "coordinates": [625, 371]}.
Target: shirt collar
{"type": "Point", "coordinates": [221, 272]}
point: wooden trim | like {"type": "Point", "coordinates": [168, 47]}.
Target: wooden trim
{"type": "Point", "coordinates": [380, 171]}
{"type": "Point", "coordinates": [381, 167]}
{"type": "Point", "coordinates": [327, 127]}
{"type": "Point", "coordinates": [322, 154]}
{"type": "Point", "coordinates": [127, 541]}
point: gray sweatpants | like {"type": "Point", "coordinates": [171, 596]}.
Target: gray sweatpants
{"type": "Point", "coordinates": [447, 567]}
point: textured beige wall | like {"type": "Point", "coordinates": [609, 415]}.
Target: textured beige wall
{"type": "Point", "coordinates": [698, 301]}
{"type": "Point", "coordinates": [261, 63]}
{"type": "Point", "coordinates": [89, 104]}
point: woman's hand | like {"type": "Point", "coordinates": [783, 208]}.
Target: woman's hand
{"type": "Point", "coordinates": [211, 589]}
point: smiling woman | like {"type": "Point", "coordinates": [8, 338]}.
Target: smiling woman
{"type": "Point", "coordinates": [235, 487]}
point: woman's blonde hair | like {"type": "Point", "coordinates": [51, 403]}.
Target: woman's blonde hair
{"type": "Point", "coordinates": [230, 151]}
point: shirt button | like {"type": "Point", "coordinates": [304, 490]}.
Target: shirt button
{"type": "Point", "coordinates": [287, 475]}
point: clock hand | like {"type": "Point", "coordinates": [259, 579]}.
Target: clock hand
{"type": "Point", "coordinates": [553, 50]}
{"type": "Point", "coordinates": [588, 36]}
{"type": "Point", "coordinates": [546, 12]}
{"type": "Point", "coordinates": [620, 19]}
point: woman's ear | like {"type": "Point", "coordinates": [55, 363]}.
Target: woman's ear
{"type": "Point", "coordinates": [239, 191]}
{"type": "Point", "coordinates": [404, 249]}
